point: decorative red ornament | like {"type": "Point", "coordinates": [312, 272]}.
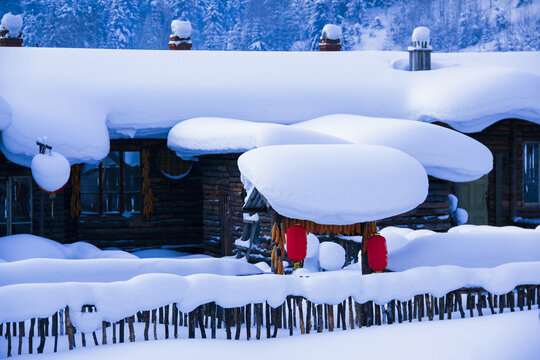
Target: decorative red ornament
{"type": "Point", "coordinates": [296, 243]}
{"type": "Point", "coordinates": [377, 253]}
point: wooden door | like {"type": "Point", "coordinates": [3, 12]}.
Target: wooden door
{"type": "Point", "coordinates": [472, 196]}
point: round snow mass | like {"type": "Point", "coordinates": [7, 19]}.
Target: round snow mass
{"type": "Point", "coordinates": [50, 171]}
{"type": "Point", "coordinates": [420, 33]}
{"type": "Point", "coordinates": [331, 256]}
{"type": "Point", "coordinates": [335, 184]}
{"type": "Point", "coordinates": [12, 23]}
{"type": "Point", "coordinates": [181, 28]}
{"type": "Point", "coordinates": [444, 153]}
{"type": "Point", "coordinates": [312, 245]}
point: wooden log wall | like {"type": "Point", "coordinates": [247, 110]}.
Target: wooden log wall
{"type": "Point", "coordinates": [505, 139]}
{"type": "Point", "coordinates": [296, 316]}
{"type": "Point", "coordinates": [222, 197]}
{"type": "Point", "coordinates": [175, 223]}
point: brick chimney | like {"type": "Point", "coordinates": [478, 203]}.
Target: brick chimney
{"type": "Point", "coordinates": [420, 50]}
{"type": "Point", "coordinates": [180, 38]}
{"type": "Point", "coordinates": [330, 38]}
{"type": "Point", "coordinates": [10, 30]}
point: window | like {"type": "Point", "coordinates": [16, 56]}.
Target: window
{"type": "Point", "coordinates": [531, 173]}
{"type": "Point", "coordinates": [112, 186]}
{"type": "Point", "coordinates": [16, 205]}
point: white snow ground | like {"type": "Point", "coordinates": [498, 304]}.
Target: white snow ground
{"type": "Point", "coordinates": [499, 337]}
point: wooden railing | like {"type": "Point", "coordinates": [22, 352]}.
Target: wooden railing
{"type": "Point", "coordinates": [256, 321]}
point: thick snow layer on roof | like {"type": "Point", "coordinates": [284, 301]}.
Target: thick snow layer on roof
{"type": "Point", "coordinates": [201, 136]}
{"type": "Point", "coordinates": [335, 184]}
{"type": "Point", "coordinates": [80, 96]}
{"type": "Point", "coordinates": [445, 153]}
{"type": "Point", "coordinates": [466, 246]}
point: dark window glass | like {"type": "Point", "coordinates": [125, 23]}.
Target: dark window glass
{"type": "Point", "coordinates": [531, 173]}
{"type": "Point", "coordinates": [114, 185]}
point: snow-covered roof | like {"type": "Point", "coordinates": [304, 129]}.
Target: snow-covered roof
{"type": "Point", "coordinates": [444, 153]}
{"type": "Point", "coordinates": [80, 97]}
{"type": "Point", "coordinates": [202, 136]}
{"type": "Point", "coordinates": [335, 184]}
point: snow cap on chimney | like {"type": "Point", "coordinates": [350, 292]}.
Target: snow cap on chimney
{"type": "Point", "coordinates": [420, 38]}
{"type": "Point", "coordinates": [10, 30]}
{"type": "Point", "coordinates": [180, 38]}
{"type": "Point", "coordinates": [330, 38]}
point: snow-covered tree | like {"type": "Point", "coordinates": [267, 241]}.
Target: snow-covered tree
{"type": "Point", "coordinates": [214, 33]}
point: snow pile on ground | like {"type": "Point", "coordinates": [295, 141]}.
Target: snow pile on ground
{"type": "Point", "coordinates": [12, 24]}
{"type": "Point", "coordinates": [50, 171]}
{"type": "Point", "coordinates": [201, 136]}
{"type": "Point", "coordinates": [166, 253]}
{"type": "Point", "coordinates": [108, 270]}
{"type": "Point", "coordinates": [145, 93]}
{"type": "Point", "coordinates": [117, 300]}
{"type": "Point", "coordinates": [444, 153]}
{"type": "Point", "coordinates": [331, 31]}
{"type": "Point", "coordinates": [505, 336]}
{"type": "Point", "coordinates": [468, 246]}
{"type": "Point", "coordinates": [24, 246]}
{"type": "Point", "coordinates": [331, 256]}
{"type": "Point", "coordinates": [356, 187]}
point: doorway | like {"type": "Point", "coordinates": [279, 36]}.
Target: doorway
{"type": "Point", "coordinates": [472, 196]}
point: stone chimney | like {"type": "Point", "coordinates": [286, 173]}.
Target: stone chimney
{"type": "Point", "coordinates": [420, 50]}
{"type": "Point", "coordinates": [330, 38]}
{"type": "Point", "coordinates": [10, 30]}
{"type": "Point", "coordinates": [180, 38]}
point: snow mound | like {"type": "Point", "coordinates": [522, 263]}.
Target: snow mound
{"type": "Point", "coordinates": [331, 31]}
{"type": "Point", "coordinates": [420, 33]}
{"type": "Point", "coordinates": [444, 153]}
{"type": "Point", "coordinates": [181, 28]}
{"type": "Point", "coordinates": [312, 245]}
{"type": "Point", "coordinates": [361, 182]}
{"type": "Point", "coordinates": [50, 171]}
{"type": "Point", "coordinates": [201, 136]}
{"type": "Point", "coordinates": [25, 246]}
{"type": "Point", "coordinates": [12, 24]}
{"type": "Point", "coordinates": [331, 256]}
{"type": "Point", "coordinates": [395, 237]}
{"type": "Point", "coordinates": [468, 246]}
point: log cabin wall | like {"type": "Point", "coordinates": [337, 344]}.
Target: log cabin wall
{"type": "Point", "coordinates": [222, 197]}
{"type": "Point", "coordinates": [505, 139]}
{"type": "Point", "coordinates": [175, 223]}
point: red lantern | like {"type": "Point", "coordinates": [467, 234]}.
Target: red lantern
{"type": "Point", "coordinates": [296, 243]}
{"type": "Point", "coordinates": [377, 253]}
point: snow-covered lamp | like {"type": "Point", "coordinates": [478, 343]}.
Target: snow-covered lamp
{"type": "Point", "coordinates": [10, 30]}
{"type": "Point", "coordinates": [330, 38]}
{"type": "Point", "coordinates": [180, 38]}
{"type": "Point", "coordinates": [420, 50]}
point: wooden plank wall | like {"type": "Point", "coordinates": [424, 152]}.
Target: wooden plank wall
{"type": "Point", "coordinates": [505, 197]}
{"type": "Point", "coordinates": [176, 222]}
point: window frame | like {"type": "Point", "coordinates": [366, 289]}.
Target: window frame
{"type": "Point", "coordinates": [121, 187]}
{"type": "Point", "coordinates": [537, 202]}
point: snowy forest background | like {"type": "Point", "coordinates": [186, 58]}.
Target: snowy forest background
{"type": "Point", "coordinates": [496, 25]}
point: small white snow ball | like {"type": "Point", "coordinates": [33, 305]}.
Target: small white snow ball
{"type": "Point", "coordinates": [420, 33]}
{"type": "Point", "coordinates": [11, 23]}
{"type": "Point", "coordinates": [332, 32]}
{"type": "Point", "coordinates": [181, 28]}
{"type": "Point", "coordinates": [331, 256]}
{"type": "Point", "coordinates": [462, 216]}
{"type": "Point", "coordinates": [50, 171]}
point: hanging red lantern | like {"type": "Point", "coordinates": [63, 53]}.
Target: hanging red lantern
{"type": "Point", "coordinates": [296, 244]}
{"type": "Point", "coordinates": [377, 253]}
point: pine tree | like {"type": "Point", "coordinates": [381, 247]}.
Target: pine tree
{"type": "Point", "coordinates": [321, 14]}
{"type": "Point", "coordinates": [213, 32]}
{"type": "Point", "coordinates": [122, 23]}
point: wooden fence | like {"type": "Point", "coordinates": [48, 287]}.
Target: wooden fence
{"type": "Point", "coordinates": [255, 321]}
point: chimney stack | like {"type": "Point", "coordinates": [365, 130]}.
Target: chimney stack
{"type": "Point", "coordinates": [10, 30]}
{"type": "Point", "coordinates": [180, 38]}
{"type": "Point", "coordinates": [420, 50]}
{"type": "Point", "coordinates": [330, 38]}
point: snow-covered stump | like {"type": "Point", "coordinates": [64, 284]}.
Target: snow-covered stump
{"type": "Point", "coordinates": [180, 38]}
{"type": "Point", "coordinates": [330, 38]}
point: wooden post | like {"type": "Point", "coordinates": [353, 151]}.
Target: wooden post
{"type": "Point", "coordinates": [191, 330]}
{"type": "Point", "coordinates": [146, 316]}
{"type": "Point", "coordinates": [8, 337]}
{"type": "Point", "coordinates": [228, 323]}
{"type": "Point", "coordinates": [351, 313]}
{"type": "Point", "coordinates": [248, 321]}
{"type": "Point", "coordinates": [319, 318]}
{"type": "Point", "coordinates": [104, 333]}
{"type": "Point", "coordinates": [55, 330]}
{"type": "Point", "coordinates": [21, 334]}
{"type": "Point", "coordinates": [154, 322]}
{"type": "Point", "coordinates": [308, 317]}
{"type": "Point", "coordinates": [121, 330]}
{"type": "Point", "coordinates": [199, 312]}
{"type": "Point", "coordinates": [213, 319]}
{"type": "Point", "coordinates": [131, 329]}
{"type": "Point", "coordinates": [69, 330]}
{"type": "Point", "coordinates": [41, 329]}
{"type": "Point", "coordinates": [258, 320]}
{"type": "Point", "coordinates": [31, 335]}
{"type": "Point", "coordinates": [267, 313]}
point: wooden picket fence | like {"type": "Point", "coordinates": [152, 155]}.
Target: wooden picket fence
{"type": "Point", "coordinates": [256, 321]}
